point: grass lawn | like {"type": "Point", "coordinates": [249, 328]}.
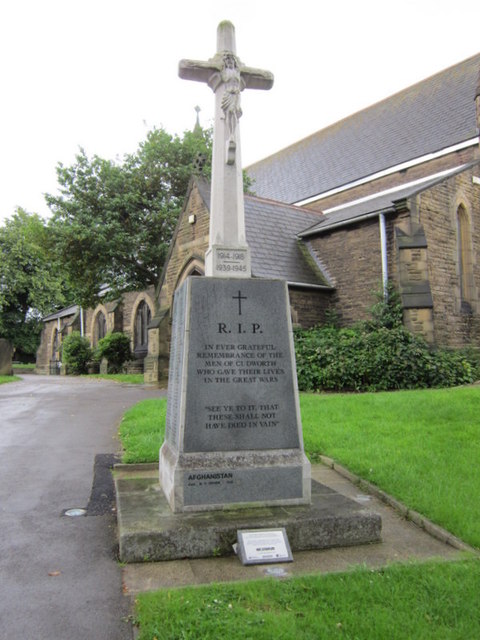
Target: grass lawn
{"type": "Point", "coordinates": [128, 378]}
{"type": "Point", "coordinates": [423, 447]}
{"type": "Point", "coordinates": [404, 602]}
{"type": "Point", "coordinates": [142, 429]}
{"type": "Point", "coordinates": [20, 367]}
{"type": "Point", "coordinates": [5, 379]}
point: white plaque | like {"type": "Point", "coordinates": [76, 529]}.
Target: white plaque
{"type": "Point", "coordinates": [262, 546]}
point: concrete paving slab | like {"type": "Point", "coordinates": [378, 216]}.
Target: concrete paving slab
{"type": "Point", "coordinates": [401, 541]}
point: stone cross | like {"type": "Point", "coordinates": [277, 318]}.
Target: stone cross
{"type": "Point", "coordinates": [228, 254]}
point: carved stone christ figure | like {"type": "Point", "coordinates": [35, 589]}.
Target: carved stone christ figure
{"type": "Point", "coordinates": [233, 85]}
{"type": "Point", "coordinates": [227, 76]}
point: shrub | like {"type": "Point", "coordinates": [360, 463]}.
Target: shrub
{"type": "Point", "coordinates": [375, 359]}
{"type": "Point", "coordinates": [115, 347]}
{"type": "Point", "coordinates": [378, 354]}
{"type": "Point", "coordinates": [76, 353]}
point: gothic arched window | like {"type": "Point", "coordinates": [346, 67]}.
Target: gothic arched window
{"type": "Point", "coordinates": [100, 326]}
{"type": "Point", "coordinates": [142, 320]}
{"type": "Point", "coordinates": [55, 344]}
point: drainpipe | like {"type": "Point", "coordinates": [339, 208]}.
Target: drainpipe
{"type": "Point", "coordinates": [81, 321]}
{"type": "Point", "coordinates": [383, 246]}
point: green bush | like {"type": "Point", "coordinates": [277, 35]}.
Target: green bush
{"type": "Point", "coordinates": [76, 353]}
{"type": "Point", "coordinates": [378, 354]}
{"type": "Point", "coordinates": [115, 347]}
{"type": "Point", "coordinates": [375, 359]}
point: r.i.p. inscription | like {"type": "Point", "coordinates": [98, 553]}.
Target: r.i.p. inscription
{"type": "Point", "coordinates": [241, 385]}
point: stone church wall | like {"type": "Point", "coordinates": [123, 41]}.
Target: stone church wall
{"type": "Point", "coordinates": [119, 316]}
{"type": "Point", "coordinates": [455, 325]}
{"type": "Point", "coordinates": [309, 306]}
{"type": "Point", "coordinates": [188, 246]}
{"type": "Point", "coordinates": [353, 257]}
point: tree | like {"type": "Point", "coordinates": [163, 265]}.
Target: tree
{"type": "Point", "coordinates": [112, 222]}
{"type": "Point", "coordinates": [31, 283]}
{"type": "Point", "coordinates": [76, 353]}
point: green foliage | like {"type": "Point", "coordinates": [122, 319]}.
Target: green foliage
{"type": "Point", "coordinates": [142, 431]}
{"type": "Point", "coordinates": [31, 282]}
{"type": "Point", "coordinates": [5, 379]}
{"type": "Point", "coordinates": [376, 355]}
{"type": "Point", "coordinates": [113, 221]}
{"type": "Point", "coordinates": [369, 359]}
{"type": "Point", "coordinates": [115, 347]}
{"type": "Point", "coordinates": [387, 312]}
{"type": "Point", "coordinates": [419, 446]}
{"type": "Point", "coordinates": [76, 353]}
{"type": "Point", "coordinates": [431, 600]}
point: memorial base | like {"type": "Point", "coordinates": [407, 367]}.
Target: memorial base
{"type": "Point", "coordinates": [149, 531]}
{"type": "Point", "coordinates": [225, 480]}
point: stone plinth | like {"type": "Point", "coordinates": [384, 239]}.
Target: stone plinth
{"type": "Point", "coordinates": [149, 531]}
{"type": "Point", "coordinates": [233, 434]}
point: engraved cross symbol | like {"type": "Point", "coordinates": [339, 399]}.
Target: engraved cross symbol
{"type": "Point", "coordinates": [239, 298]}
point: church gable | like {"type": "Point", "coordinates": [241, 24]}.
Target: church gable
{"type": "Point", "coordinates": [190, 241]}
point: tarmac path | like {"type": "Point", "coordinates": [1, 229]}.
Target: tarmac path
{"type": "Point", "coordinates": [59, 577]}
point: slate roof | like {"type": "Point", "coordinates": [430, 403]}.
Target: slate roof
{"type": "Point", "coordinates": [62, 313]}
{"type": "Point", "coordinates": [272, 229]}
{"type": "Point", "coordinates": [384, 202]}
{"type": "Point", "coordinates": [429, 116]}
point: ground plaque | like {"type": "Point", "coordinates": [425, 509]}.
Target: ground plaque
{"type": "Point", "coordinates": [263, 546]}
{"type": "Point", "coordinates": [233, 432]}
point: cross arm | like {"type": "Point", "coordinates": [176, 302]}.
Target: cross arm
{"type": "Point", "coordinates": [256, 78]}
{"type": "Point", "coordinates": [198, 70]}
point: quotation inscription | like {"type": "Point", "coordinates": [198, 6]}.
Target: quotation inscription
{"type": "Point", "coordinates": [241, 416]}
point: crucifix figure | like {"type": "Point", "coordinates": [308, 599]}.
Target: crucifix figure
{"type": "Point", "coordinates": [228, 254]}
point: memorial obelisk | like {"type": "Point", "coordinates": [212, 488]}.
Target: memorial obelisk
{"type": "Point", "coordinates": [233, 436]}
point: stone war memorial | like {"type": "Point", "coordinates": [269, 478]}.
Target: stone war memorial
{"type": "Point", "coordinates": [233, 456]}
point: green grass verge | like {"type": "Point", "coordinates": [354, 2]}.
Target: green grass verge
{"type": "Point", "coordinates": [423, 447]}
{"type": "Point", "coordinates": [129, 378]}
{"type": "Point", "coordinates": [142, 430]}
{"type": "Point", "coordinates": [433, 600]}
{"type": "Point", "coordinates": [5, 379]}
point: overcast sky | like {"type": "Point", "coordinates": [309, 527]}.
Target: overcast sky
{"type": "Point", "coordinates": [99, 74]}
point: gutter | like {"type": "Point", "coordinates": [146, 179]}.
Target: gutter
{"type": "Point", "coordinates": [383, 249]}
{"type": "Point", "coordinates": [343, 223]}
{"type": "Point", "coordinates": [304, 285]}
